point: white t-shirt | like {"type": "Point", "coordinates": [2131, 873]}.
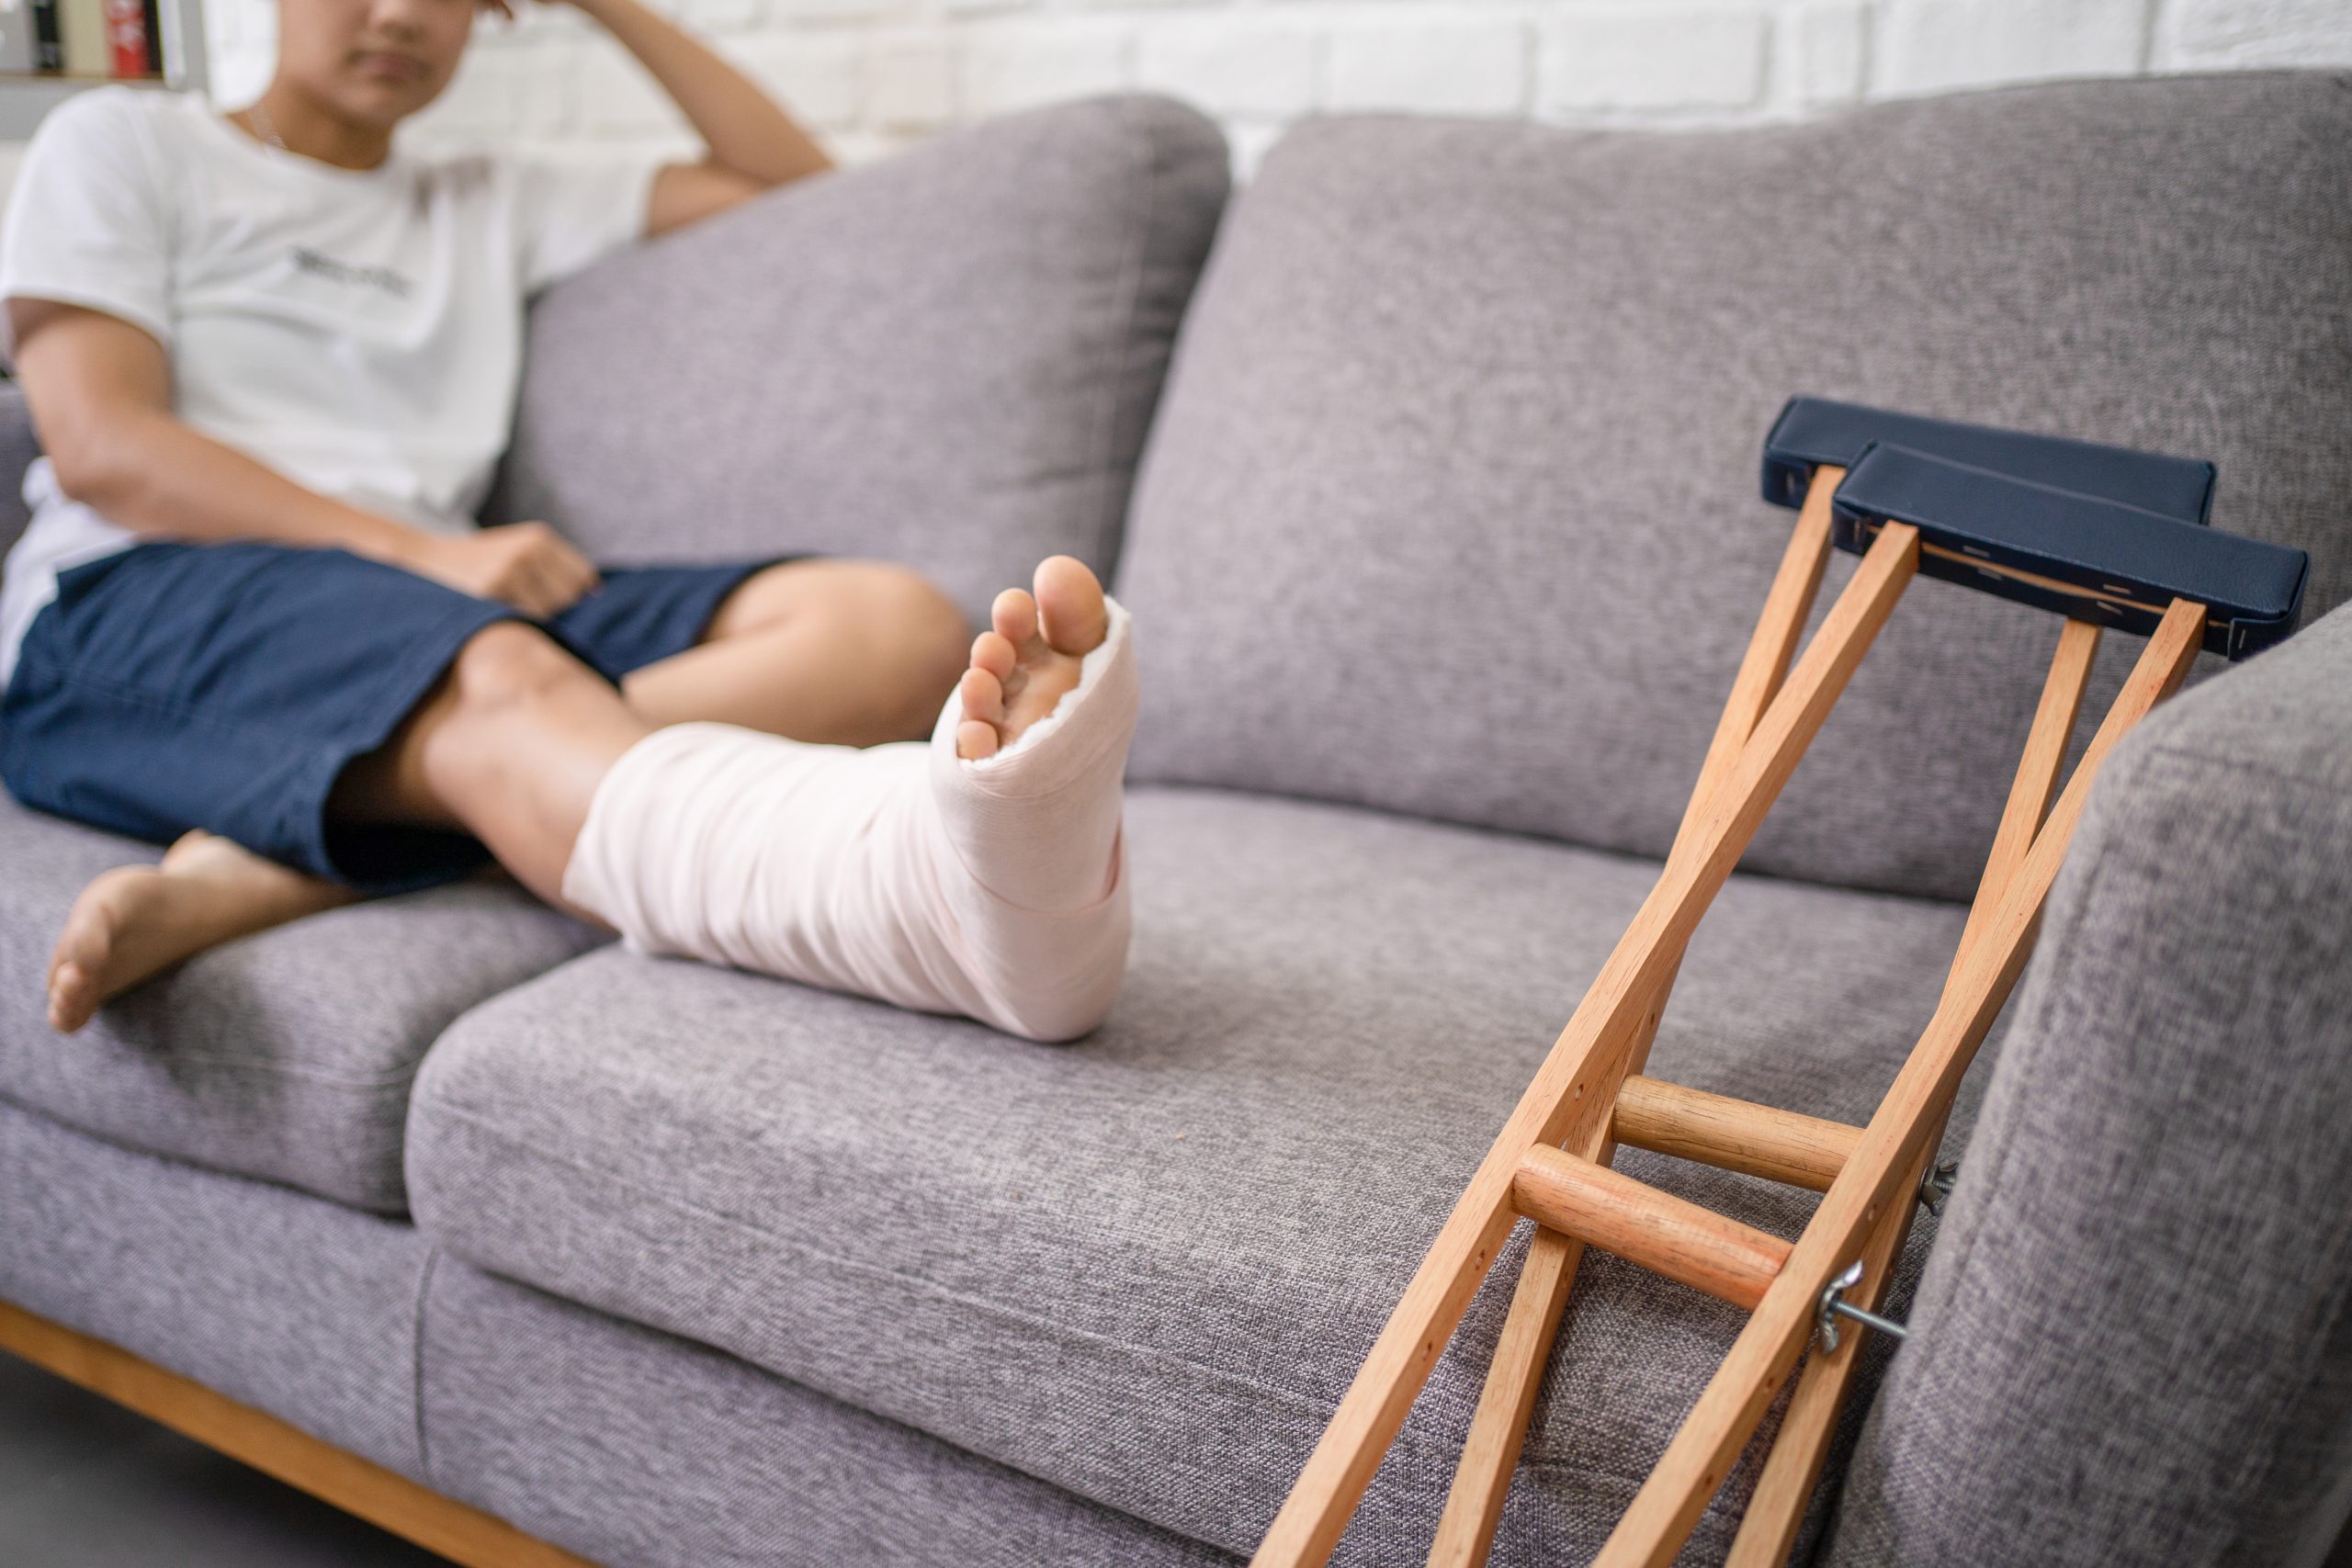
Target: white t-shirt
{"type": "Point", "coordinates": [358, 331]}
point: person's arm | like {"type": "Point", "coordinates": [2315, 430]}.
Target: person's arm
{"type": "Point", "coordinates": [754, 143]}
{"type": "Point", "coordinates": [100, 393]}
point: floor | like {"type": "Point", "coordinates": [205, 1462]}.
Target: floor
{"type": "Point", "coordinates": [85, 1484]}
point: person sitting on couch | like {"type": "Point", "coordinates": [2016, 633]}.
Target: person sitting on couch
{"type": "Point", "coordinates": [273, 361]}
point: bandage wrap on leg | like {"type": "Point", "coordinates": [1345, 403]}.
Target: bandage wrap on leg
{"type": "Point", "coordinates": [995, 889]}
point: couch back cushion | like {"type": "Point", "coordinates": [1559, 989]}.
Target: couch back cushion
{"type": "Point", "coordinates": [949, 357]}
{"type": "Point", "coordinates": [1453, 505]}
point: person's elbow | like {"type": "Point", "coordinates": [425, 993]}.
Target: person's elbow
{"type": "Point", "coordinates": [786, 168]}
{"type": "Point", "coordinates": [688, 193]}
{"type": "Point", "coordinates": [810, 159]}
{"type": "Point", "coordinates": [97, 387]}
{"type": "Point", "coordinates": [774, 161]}
{"type": "Point", "coordinates": [94, 462]}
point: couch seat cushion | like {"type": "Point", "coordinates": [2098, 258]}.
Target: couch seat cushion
{"type": "Point", "coordinates": [1144, 1266]}
{"type": "Point", "coordinates": [286, 1056]}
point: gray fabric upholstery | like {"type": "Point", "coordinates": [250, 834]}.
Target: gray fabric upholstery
{"type": "Point", "coordinates": [629, 1446]}
{"type": "Point", "coordinates": [299, 1307]}
{"type": "Point", "coordinates": [2134, 1345]}
{"type": "Point", "coordinates": [1144, 1267]}
{"type": "Point", "coordinates": [640, 1450]}
{"type": "Point", "coordinates": [286, 1056]}
{"type": "Point", "coordinates": [18, 447]}
{"type": "Point", "coordinates": [948, 358]}
{"type": "Point", "coordinates": [1466, 421]}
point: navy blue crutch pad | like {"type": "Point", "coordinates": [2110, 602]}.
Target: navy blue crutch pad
{"type": "Point", "coordinates": [1813, 431]}
{"type": "Point", "coordinates": [2089, 558]}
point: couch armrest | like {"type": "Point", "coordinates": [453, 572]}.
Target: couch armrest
{"type": "Point", "coordinates": [2131, 1342]}
{"type": "Point", "coordinates": [17, 450]}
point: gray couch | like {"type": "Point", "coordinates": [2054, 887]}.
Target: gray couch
{"type": "Point", "coordinates": [1442, 538]}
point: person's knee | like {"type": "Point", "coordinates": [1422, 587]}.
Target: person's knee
{"type": "Point", "coordinates": [922, 614]}
{"type": "Point", "coordinates": [904, 623]}
{"type": "Point", "coordinates": [933, 640]}
{"type": "Point", "coordinates": [860, 595]}
{"type": "Point", "coordinates": [511, 665]}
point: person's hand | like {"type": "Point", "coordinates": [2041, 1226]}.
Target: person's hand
{"type": "Point", "coordinates": [527, 565]}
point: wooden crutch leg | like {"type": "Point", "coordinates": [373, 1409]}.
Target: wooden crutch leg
{"type": "Point", "coordinates": [1776, 1511]}
{"type": "Point", "coordinates": [1569, 1099]}
{"type": "Point", "coordinates": [2037, 780]}
{"type": "Point", "coordinates": [1489, 1457]}
{"type": "Point", "coordinates": [1719, 1425]}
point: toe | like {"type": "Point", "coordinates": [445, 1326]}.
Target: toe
{"type": "Point", "coordinates": [992, 653]}
{"type": "Point", "coordinates": [69, 994]}
{"type": "Point", "coordinates": [1070, 603]}
{"type": "Point", "coordinates": [983, 696]}
{"type": "Point", "coordinates": [83, 946]}
{"type": "Point", "coordinates": [1014, 616]}
{"type": "Point", "coordinates": [974, 740]}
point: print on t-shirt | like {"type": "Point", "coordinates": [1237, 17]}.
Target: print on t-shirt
{"type": "Point", "coordinates": [383, 277]}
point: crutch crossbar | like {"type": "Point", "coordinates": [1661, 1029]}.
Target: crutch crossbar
{"type": "Point", "coordinates": [1917, 507]}
{"type": "Point", "coordinates": [1667, 1234]}
{"type": "Point", "coordinates": [1732, 1134]}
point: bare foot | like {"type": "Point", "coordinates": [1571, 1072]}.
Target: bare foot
{"type": "Point", "coordinates": [1030, 656]}
{"type": "Point", "coordinates": [136, 920]}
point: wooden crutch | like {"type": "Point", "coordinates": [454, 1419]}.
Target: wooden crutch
{"type": "Point", "coordinates": [2094, 531]}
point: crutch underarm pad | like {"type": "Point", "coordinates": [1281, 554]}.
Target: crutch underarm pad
{"type": "Point", "coordinates": [2083, 557]}
{"type": "Point", "coordinates": [1813, 431]}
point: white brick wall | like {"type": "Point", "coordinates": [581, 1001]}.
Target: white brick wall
{"type": "Point", "coordinates": [872, 75]}
{"type": "Point", "coordinates": [1672, 59]}
{"type": "Point", "coordinates": [1929, 45]}
{"type": "Point", "coordinates": [1460, 64]}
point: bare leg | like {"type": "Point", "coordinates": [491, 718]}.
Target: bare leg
{"type": "Point", "coordinates": [137, 919]}
{"type": "Point", "coordinates": [509, 746]}
{"type": "Point", "coordinates": [512, 745]}
{"type": "Point", "coordinates": [513, 742]}
{"type": "Point", "coordinates": [841, 652]}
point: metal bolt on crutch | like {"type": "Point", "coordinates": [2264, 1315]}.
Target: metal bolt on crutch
{"type": "Point", "coordinates": [1937, 1185]}
{"type": "Point", "coordinates": [1834, 1305]}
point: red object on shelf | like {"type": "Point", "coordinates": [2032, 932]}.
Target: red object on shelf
{"type": "Point", "coordinates": [126, 37]}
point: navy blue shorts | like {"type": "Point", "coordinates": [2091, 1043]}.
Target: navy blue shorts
{"type": "Point", "coordinates": [227, 686]}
